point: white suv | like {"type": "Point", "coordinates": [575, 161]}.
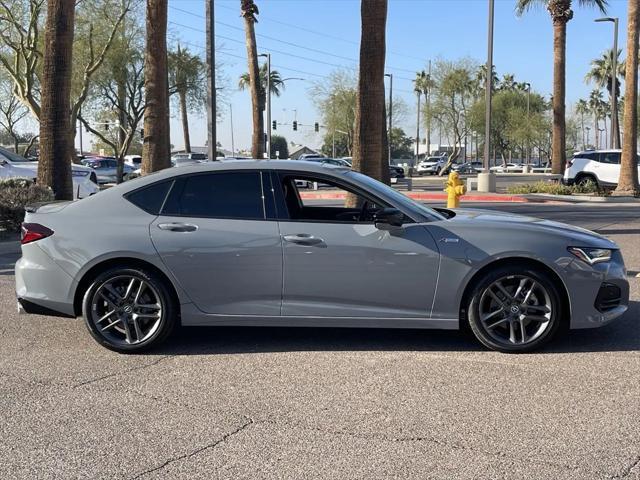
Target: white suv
{"type": "Point", "coordinates": [599, 166]}
{"type": "Point", "coordinates": [431, 165]}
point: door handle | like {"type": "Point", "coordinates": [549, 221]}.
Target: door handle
{"type": "Point", "coordinates": [178, 227]}
{"type": "Point", "coordinates": [302, 239]}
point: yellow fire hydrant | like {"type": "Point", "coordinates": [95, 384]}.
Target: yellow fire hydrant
{"type": "Point", "coordinates": [455, 189]}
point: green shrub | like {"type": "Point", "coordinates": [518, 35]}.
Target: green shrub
{"type": "Point", "coordinates": [15, 195]}
{"type": "Point", "coordinates": [553, 188]}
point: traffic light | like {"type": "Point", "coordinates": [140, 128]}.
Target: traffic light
{"type": "Point", "coordinates": [275, 125]}
{"type": "Point", "coordinates": [106, 126]}
{"type": "Point", "coordinates": [142, 133]}
{"type": "Point", "coordinates": [317, 127]}
{"type": "Point", "coordinates": [295, 126]}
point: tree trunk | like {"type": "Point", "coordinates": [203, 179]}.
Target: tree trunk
{"type": "Point", "coordinates": [596, 132]}
{"type": "Point", "coordinates": [156, 149]}
{"type": "Point", "coordinates": [559, 61]}
{"type": "Point", "coordinates": [185, 121]}
{"type": "Point", "coordinates": [257, 139]}
{"type": "Point", "coordinates": [56, 146]}
{"type": "Point", "coordinates": [369, 147]}
{"type": "Point", "coordinates": [628, 182]}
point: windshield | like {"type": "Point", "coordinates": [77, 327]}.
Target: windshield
{"type": "Point", "coordinates": [13, 157]}
{"type": "Point", "coordinates": [380, 188]}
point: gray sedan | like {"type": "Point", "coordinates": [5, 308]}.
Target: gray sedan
{"type": "Point", "coordinates": [237, 243]}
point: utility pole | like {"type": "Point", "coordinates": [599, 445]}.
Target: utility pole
{"type": "Point", "coordinates": [390, 75]}
{"type": "Point", "coordinates": [268, 105]}
{"type": "Point", "coordinates": [615, 127]}
{"type": "Point", "coordinates": [428, 95]}
{"type": "Point", "coordinates": [415, 163]}
{"type": "Point", "coordinates": [487, 179]}
{"type": "Point", "coordinates": [528, 159]}
{"type": "Point", "coordinates": [211, 82]}
{"type": "Point", "coordinates": [233, 147]}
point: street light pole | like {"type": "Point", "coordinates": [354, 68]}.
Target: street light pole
{"type": "Point", "coordinates": [428, 98]}
{"type": "Point", "coordinates": [415, 163]}
{"type": "Point", "coordinates": [268, 105]}
{"type": "Point", "coordinates": [211, 82]}
{"type": "Point", "coordinates": [233, 146]}
{"type": "Point", "coordinates": [390, 75]}
{"type": "Point", "coordinates": [487, 179]}
{"type": "Point", "coordinates": [528, 159]}
{"type": "Point", "coordinates": [615, 128]}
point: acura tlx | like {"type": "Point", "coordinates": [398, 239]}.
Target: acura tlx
{"type": "Point", "coordinates": [237, 243]}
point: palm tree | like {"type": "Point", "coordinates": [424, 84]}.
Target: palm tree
{"type": "Point", "coordinates": [508, 82]}
{"type": "Point", "coordinates": [422, 85]}
{"type": "Point", "coordinates": [276, 84]}
{"type": "Point", "coordinates": [370, 154]}
{"type": "Point", "coordinates": [156, 149]}
{"type": "Point", "coordinates": [56, 144]}
{"type": "Point", "coordinates": [561, 13]}
{"type": "Point", "coordinates": [187, 78]}
{"type": "Point", "coordinates": [600, 75]}
{"type": "Point", "coordinates": [582, 109]}
{"type": "Point", "coordinates": [628, 182]}
{"type": "Point", "coordinates": [597, 108]}
{"type": "Point", "coordinates": [248, 11]}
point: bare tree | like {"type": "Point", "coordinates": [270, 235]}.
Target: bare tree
{"type": "Point", "coordinates": [12, 111]}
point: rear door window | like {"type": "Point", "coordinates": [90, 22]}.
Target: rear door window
{"type": "Point", "coordinates": [150, 198]}
{"type": "Point", "coordinates": [233, 195]}
{"type": "Point", "coordinates": [610, 158]}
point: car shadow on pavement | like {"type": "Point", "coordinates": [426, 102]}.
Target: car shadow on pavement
{"type": "Point", "coordinates": [621, 335]}
{"type": "Point", "coordinates": [8, 263]}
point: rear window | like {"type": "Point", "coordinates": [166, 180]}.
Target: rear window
{"type": "Point", "coordinates": [588, 156]}
{"type": "Point", "coordinates": [150, 198]}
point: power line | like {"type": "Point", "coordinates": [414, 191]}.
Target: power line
{"type": "Point", "coordinates": [292, 44]}
{"type": "Point", "coordinates": [315, 32]}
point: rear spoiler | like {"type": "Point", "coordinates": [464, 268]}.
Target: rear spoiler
{"type": "Point", "coordinates": [34, 207]}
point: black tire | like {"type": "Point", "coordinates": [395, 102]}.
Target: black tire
{"type": "Point", "coordinates": [481, 332]}
{"type": "Point", "coordinates": [168, 310]}
{"type": "Point", "coordinates": [584, 178]}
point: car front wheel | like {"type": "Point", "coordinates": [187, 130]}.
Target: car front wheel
{"type": "Point", "coordinates": [514, 309]}
{"type": "Point", "coordinates": [129, 310]}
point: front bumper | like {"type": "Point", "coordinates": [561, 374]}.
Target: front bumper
{"type": "Point", "coordinates": [586, 283]}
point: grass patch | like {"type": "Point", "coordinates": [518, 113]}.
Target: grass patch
{"type": "Point", "coordinates": [555, 188]}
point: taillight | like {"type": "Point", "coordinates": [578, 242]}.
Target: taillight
{"type": "Point", "coordinates": [34, 231]}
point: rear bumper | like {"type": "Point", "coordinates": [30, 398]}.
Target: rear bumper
{"type": "Point", "coordinates": [42, 285]}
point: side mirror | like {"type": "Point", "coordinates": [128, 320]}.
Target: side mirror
{"type": "Point", "coordinates": [388, 217]}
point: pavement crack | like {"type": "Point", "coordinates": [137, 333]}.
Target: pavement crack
{"type": "Point", "coordinates": [128, 370]}
{"type": "Point", "coordinates": [627, 470]}
{"type": "Point", "coordinates": [210, 446]}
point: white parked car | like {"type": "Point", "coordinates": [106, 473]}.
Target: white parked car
{"type": "Point", "coordinates": [134, 161]}
{"type": "Point", "coordinates": [14, 165]}
{"type": "Point", "coordinates": [508, 168]}
{"type": "Point", "coordinates": [601, 167]}
{"type": "Point", "coordinates": [182, 159]}
{"type": "Point", "coordinates": [431, 165]}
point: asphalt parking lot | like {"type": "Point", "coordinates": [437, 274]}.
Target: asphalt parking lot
{"type": "Point", "coordinates": [325, 403]}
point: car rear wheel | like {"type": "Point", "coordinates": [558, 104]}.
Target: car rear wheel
{"type": "Point", "coordinates": [584, 179]}
{"type": "Point", "coordinates": [514, 309]}
{"type": "Point", "coordinates": [129, 310]}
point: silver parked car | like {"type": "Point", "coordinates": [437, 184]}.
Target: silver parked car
{"type": "Point", "coordinates": [106, 168]}
{"type": "Point", "coordinates": [237, 243]}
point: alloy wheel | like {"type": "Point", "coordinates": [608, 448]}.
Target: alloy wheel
{"type": "Point", "coordinates": [515, 310]}
{"type": "Point", "coordinates": [126, 310]}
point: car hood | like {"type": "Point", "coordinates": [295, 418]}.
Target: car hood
{"type": "Point", "coordinates": [487, 219]}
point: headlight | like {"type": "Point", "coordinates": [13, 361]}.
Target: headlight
{"type": "Point", "coordinates": [79, 173]}
{"type": "Point", "coordinates": [591, 255]}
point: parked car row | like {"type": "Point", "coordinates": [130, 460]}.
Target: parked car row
{"type": "Point", "coordinates": [85, 182]}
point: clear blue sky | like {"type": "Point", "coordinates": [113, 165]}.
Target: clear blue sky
{"type": "Point", "coordinates": [417, 30]}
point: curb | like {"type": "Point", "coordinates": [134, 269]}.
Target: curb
{"type": "Point", "coordinates": [428, 196]}
{"type": "Point", "coordinates": [580, 198]}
